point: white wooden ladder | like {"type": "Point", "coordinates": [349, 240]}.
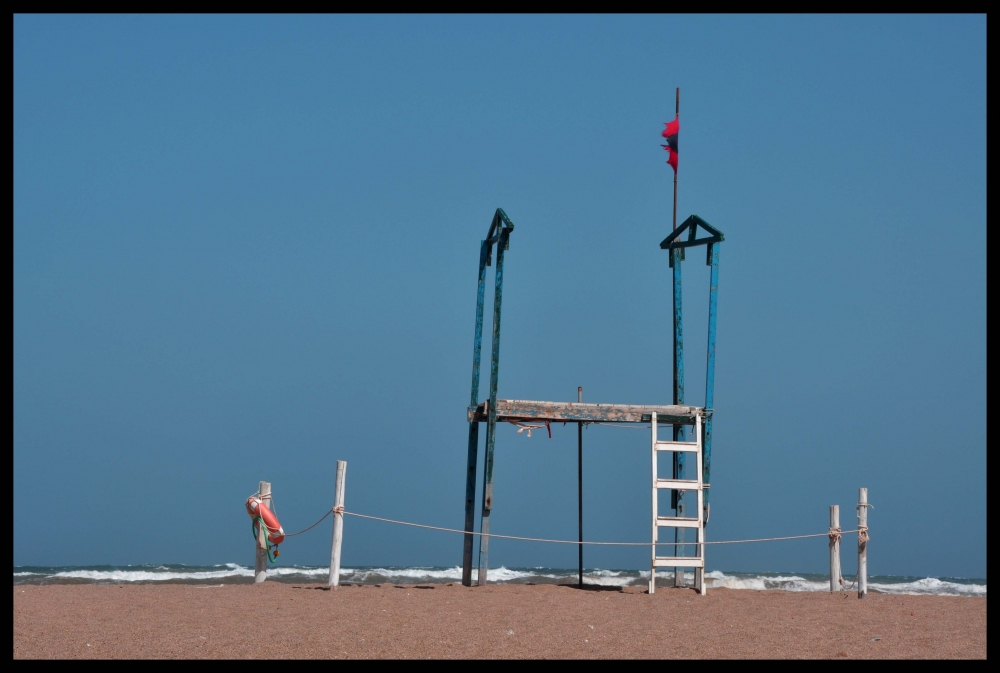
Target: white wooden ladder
{"type": "Point", "coordinates": [698, 561]}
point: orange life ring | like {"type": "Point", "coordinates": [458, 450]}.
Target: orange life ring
{"type": "Point", "coordinates": [256, 508]}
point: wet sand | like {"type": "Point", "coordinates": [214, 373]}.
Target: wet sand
{"type": "Point", "coordinates": [275, 620]}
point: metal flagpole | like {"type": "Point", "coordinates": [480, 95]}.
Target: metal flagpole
{"type": "Point", "coordinates": [679, 434]}
{"type": "Point", "coordinates": [677, 113]}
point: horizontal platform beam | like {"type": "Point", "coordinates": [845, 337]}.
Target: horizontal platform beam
{"type": "Point", "coordinates": [677, 522]}
{"type": "Point", "coordinates": [531, 410]}
{"type": "Point", "coordinates": [678, 562]}
{"type": "Point", "coordinates": [678, 484]}
{"type": "Point", "coordinates": [677, 446]}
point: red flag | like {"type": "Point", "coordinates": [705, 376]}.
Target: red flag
{"type": "Point", "coordinates": [670, 133]}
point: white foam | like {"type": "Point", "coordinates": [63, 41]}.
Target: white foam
{"type": "Point", "coordinates": [401, 574]}
{"type": "Point", "coordinates": [500, 575]}
{"type": "Point", "coordinates": [150, 575]}
{"type": "Point", "coordinates": [611, 578]}
{"type": "Point", "coordinates": [454, 574]}
{"type": "Point", "coordinates": [165, 574]}
{"type": "Point", "coordinates": [930, 585]}
{"type": "Point", "coordinates": [310, 572]}
{"type": "Point", "coordinates": [926, 586]}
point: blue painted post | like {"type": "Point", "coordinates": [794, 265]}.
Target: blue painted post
{"type": "Point", "coordinates": [470, 475]}
{"type": "Point", "coordinates": [679, 435]}
{"type": "Point", "coordinates": [484, 541]}
{"type": "Point", "coordinates": [713, 298]}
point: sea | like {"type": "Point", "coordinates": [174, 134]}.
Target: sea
{"type": "Point", "coordinates": [233, 573]}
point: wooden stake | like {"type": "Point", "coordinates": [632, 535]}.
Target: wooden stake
{"type": "Point", "coordinates": [338, 524]}
{"type": "Point", "coordinates": [835, 548]}
{"type": "Point", "coordinates": [260, 561]}
{"type": "Point", "coordinates": [862, 542]}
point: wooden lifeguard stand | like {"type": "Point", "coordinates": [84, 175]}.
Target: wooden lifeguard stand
{"type": "Point", "coordinates": [677, 414]}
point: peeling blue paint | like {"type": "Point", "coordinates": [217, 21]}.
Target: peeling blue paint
{"type": "Point", "coordinates": [499, 233]}
{"type": "Point", "coordinates": [676, 244]}
{"type": "Point", "coordinates": [713, 300]}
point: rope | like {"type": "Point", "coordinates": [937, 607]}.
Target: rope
{"type": "Point", "coordinates": [267, 543]}
{"type": "Point", "coordinates": [333, 510]}
{"type": "Point", "coordinates": [328, 513]}
{"type": "Point", "coordinates": [505, 537]}
{"type": "Point", "coordinates": [538, 539]}
{"type": "Point", "coordinates": [834, 535]}
{"type": "Point", "coordinates": [769, 539]}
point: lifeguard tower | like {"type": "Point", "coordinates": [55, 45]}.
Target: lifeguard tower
{"type": "Point", "coordinates": [677, 415]}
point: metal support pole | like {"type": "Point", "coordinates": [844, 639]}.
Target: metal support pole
{"type": "Point", "coordinates": [579, 483]}
{"type": "Point", "coordinates": [713, 301]}
{"type": "Point", "coordinates": [677, 113]}
{"type": "Point", "coordinates": [862, 542]}
{"type": "Point", "coordinates": [473, 452]}
{"type": "Point", "coordinates": [676, 256]}
{"type": "Point", "coordinates": [484, 540]}
{"type": "Point", "coordinates": [676, 497]}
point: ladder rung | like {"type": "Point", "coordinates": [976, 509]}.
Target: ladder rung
{"type": "Point", "coordinates": [677, 446]}
{"type": "Point", "coordinates": [678, 562]}
{"type": "Point", "coordinates": [677, 522]}
{"type": "Point", "coordinates": [679, 484]}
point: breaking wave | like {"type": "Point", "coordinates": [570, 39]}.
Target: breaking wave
{"type": "Point", "coordinates": [232, 573]}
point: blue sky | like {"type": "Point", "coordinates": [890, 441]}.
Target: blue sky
{"type": "Point", "coordinates": [246, 247]}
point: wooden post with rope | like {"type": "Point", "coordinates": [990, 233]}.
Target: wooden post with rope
{"type": "Point", "coordinates": [835, 577]}
{"type": "Point", "coordinates": [338, 524]}
{"type": "Point", "coordinates": [863, 542]}
{"type": "Point", "coordinates": [260, 561]}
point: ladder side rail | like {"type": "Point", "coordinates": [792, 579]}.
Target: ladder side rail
{"type": "Point", "coordinates": [700, 531]}
{"type": "Point", "coordinates": [652, 568]}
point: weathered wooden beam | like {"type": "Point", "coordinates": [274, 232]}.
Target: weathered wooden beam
{"type": "Point", "coordinates": [862, 542]}
{"type": "Point", "coordinates": [533, 410]}
{"type": "Point", "coordinates": [835, 575]}
{"type": "Point", "coordinates": [338, 524]}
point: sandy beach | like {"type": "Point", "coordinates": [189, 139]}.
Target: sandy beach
{"type": "Point", "coordinates": [276, 620]}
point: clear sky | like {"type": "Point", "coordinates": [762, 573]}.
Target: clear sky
{"type": "Point", "coordinates": [246, 247]}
